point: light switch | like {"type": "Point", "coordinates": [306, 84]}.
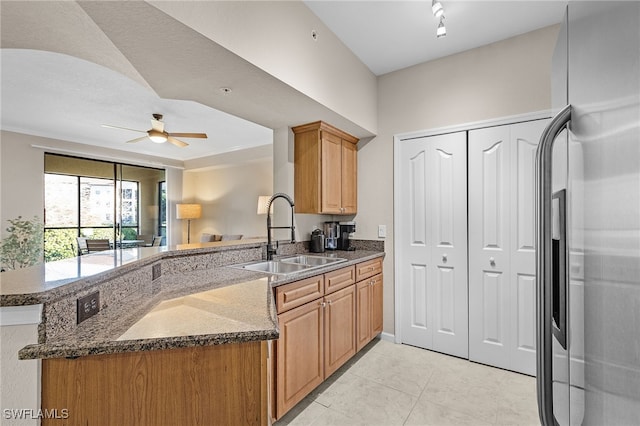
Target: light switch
{"type": "Point", "coordinates": [382, 231]}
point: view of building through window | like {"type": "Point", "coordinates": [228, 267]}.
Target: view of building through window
{"type": "Point", "coordinates": [103, 207]}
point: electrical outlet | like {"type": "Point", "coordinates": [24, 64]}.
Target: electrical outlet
{"type": "Point", "coordinates": [156, 271]}
{"type": "Point", "coordinates": [88, 306]}
{"type": "Point", "coordinates": [382, 231]}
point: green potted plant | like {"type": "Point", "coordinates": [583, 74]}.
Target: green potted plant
{"type": "Point", "coordinates": [23, 245]}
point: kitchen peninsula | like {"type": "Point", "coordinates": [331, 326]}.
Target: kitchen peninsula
{"type": "Point", "coordinates": [179, 337]}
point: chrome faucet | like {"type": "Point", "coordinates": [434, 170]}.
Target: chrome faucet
{"type": "Point", "coordinates": [270, 248]}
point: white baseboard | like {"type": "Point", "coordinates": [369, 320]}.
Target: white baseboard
{"type": "Point", "coordinates": [387, 337]}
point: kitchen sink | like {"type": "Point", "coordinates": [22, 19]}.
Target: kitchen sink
{"type": "Point", "coordinates": [289, 265]}
{"type": "Point", "coordinates": [305, 259]}
{"type": "Point", "coordinates": [274, 267]}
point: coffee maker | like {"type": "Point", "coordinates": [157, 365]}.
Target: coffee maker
{"type": "Point", "coordinates": [346, 229]}
{"type": "Point", "coordinates": [331, 235]}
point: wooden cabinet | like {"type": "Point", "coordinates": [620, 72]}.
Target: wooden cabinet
{"type": "Point", "coordinates": [368, 302]}
{"type": "Point", "coordinates": [201, 385]}
{"type": "Point", "coordinates": [320, 318]}
{"type": "Point", "coordinates": [300, 349]}
{"type": "Point", "coordinates": [326, 170]}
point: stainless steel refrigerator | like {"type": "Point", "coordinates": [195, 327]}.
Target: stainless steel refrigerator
{"type": "Point", "coordinates": [588, 222]}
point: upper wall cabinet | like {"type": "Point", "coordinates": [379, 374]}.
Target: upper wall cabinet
{"type": "Point", "coordinates": [326, 170]}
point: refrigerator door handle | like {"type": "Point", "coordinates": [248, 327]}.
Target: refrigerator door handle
{"type": "Point", "coordinates": [544, 264]}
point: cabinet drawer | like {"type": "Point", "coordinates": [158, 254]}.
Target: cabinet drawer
{"type": "Point", "coordinates": [298, 293]}
{"type": "Point", "coordinates": [368, 269]}
{"type": "Point", "coordinates": [336, 280]}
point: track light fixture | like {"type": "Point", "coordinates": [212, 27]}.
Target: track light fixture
{"type": "Point", "coordinates": [441, 31]}
{"type": "Point", "coordinates": [437, 8]}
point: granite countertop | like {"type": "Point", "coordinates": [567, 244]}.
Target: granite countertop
{"type": "Point", "coordinates": [201, 307]}
{"type": "Point", "coordinates": [46, 281]}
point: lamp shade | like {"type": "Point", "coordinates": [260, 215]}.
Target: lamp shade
{"type": "Point", "coordinates": [188, 211]}
{"type": "Point", "coordinates": [263, 200]}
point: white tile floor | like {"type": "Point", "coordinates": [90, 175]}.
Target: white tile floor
{"type": "Point", "coordinates": [389, 384]}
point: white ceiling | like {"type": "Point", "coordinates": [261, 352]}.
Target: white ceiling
{"type": "Point", "coordinates": [60, 96]}
{"type": "Point", "coordinates": [391, 35]}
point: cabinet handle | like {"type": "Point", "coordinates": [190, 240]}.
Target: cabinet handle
{"type": "Point", "coordinates": [329, 302]}
{"type": "Point", "coordinates": [444, 257]}
{"type": "Point", "coordinates": [492, 261]}
{"type": "Point", "coordinates": [322, 304]}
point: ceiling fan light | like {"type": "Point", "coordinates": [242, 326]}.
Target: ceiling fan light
{"type": "Point", "coordinates": [441, 31]}
{"type": "Point", "coordinates": [157, 137]}
{"type": "Point", "coordinates": [437, 8]}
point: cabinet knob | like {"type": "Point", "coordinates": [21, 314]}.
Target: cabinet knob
{"type": "Point", "coordinates": [322, 304]}
{"type": "Point", "coordinates": [492, 261]}
{"type": "Point", "coordinates": [444, 257]}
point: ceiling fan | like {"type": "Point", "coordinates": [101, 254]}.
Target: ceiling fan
{"type": "Point", "coordinates": [157, 133]}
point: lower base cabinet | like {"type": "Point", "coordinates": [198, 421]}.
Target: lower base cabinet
{"type": "Point", "coordinates": [369, 299]}
{"type": "Point", "coordinates": [206, 385]}
{"type": "Point", "coordinates": [324, 321]}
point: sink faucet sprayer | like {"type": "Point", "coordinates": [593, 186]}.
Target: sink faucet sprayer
{"type": "Point", "coordinates": [270, 249]}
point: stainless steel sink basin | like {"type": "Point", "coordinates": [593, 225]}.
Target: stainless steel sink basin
{"type": "Point", "coordinates": [289, 265]}
{"type": "Point", "coordinates": [305, 259]}
{"type": "Point", "coordinates": [274, 267]}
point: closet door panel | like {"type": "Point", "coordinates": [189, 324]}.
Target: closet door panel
{"type": "Point", "coordinates": [489, 230]}
{"type": "Point", "coordinates": [434, 243]}
{"type": "Point", "coordinates": [522, 276]}
{"type": "Point", "coordinates": [448, 180]}
{"type": "Point", "coordinates": [414, 233]}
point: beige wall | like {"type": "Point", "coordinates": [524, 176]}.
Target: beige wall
{"type": "Point", "coordinates": [229, 198]}
{"type": "Point", "coordinates": [505, 78]}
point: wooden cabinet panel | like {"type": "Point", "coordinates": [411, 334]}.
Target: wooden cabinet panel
{"type": "Point", "coordinates": [349, 178]}
{"type": "Point", "coordinates": [339, 328]}
{"type": "Point", "coordinates": [289, 296]}
{"type": "Point", "coordinates": [205, 385]}
{"type": "Point", "coordinates": [376, 305]}
{"type": "Point", "coordinates": [368, 269]}
{"type": "Point", "coordinates": [331, 188]}
{"type": "Point", "coordinates": [339, 279]}
{"type": "Point", "coordinates": [299, 354]}
{"type": "Point", "coordinates": [363, 320]}
{"type": "Point", "coordinates": [369, 310]}
{"type": "Point", "coordinates": [325, 169]}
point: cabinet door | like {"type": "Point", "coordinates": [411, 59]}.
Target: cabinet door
{"type": "Point", "coordinates": [376, 305]}
{"type": "Point", "coordinates": [349, 178]}
{"type": "Point", "coordinates": [331, 173]}
{"type": "Point", "coordinates": [299, 354]}
{"type": "Point", "coordinates": [363, 309]}
{"type": "Point", "coordinates": [339, 328]}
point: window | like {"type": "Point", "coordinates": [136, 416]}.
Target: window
{"type": "Point", "coordinates": [83, 198]}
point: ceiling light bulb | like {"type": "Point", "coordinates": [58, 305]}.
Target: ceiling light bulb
{"type": "Point", "coordinates": [437, 8]}
{"type": "Point", "coordinates": [157, 137]}
{"type": "Point", "coordinates": [441, 31]}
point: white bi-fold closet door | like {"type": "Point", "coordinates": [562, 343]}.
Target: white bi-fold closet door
{"type": "Point", "coordinates": [502, 282]}
{"type": "Point", "coordinates": [432, 230]}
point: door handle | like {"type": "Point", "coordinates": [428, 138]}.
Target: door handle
{"type": "Point", "coordinates": [544, 264]}
{"type": "Point", "coordinates": [492, 261]}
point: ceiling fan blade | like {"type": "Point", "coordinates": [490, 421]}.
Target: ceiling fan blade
{"type": "Point", "coordinates": [176, 142]}
{"type": "Point", "coordinates": [138, 139]}
{"type": "Point", "coordinates": [157, 125]}
{"type": "Point", "coordinates": [189, 135]}
{"type": "Point", "coordinates": [122, 128]}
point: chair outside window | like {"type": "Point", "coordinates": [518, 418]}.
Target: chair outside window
{"type": "Point", "coordinates": [147, 238]}
{"type": "Point", "coordinates": [82, 246]}
{"type": "Point", "coordinates": [97, 245]}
